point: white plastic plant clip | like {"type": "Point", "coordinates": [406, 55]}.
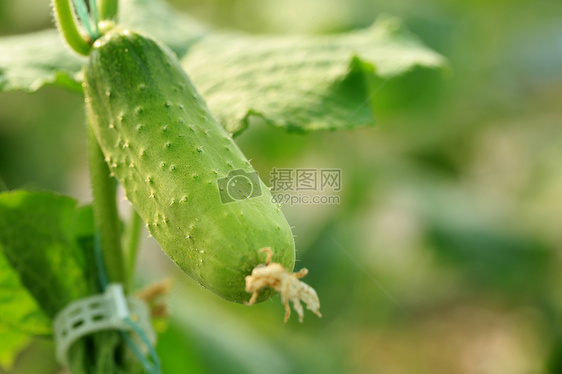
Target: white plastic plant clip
{"type": "Point", "coordinates": [107, 311]}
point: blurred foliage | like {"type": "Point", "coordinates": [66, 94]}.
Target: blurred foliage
{"type": "Point", "coordinates": [453, 203]}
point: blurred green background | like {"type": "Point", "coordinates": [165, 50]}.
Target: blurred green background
{"type": "Point", "coordinates": [453, 202]}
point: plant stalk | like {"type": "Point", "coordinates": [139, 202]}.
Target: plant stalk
{"type": "Point", "coordinates": [105, 212]}
{"type": "Point", "coordinates": [132, 244]}
{"type": "Point", "coordinates": [68, 27]}
{"type": "Point", "coordinates": [108, 9]}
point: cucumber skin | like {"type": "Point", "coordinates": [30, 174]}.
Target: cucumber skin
{"type": "Point", "coordinates": [167, 152]}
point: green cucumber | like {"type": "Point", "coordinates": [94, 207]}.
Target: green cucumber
{"type": "Point", "coordinates": [179, 167]}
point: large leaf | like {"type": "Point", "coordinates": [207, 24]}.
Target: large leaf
{"type": "Point", "coordinates": [302, 83]}
{"type": "Point", "coordinates": [42, 237]}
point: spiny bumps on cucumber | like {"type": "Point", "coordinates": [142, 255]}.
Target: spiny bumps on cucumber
{"type": "Point", "coordinates": [173, 161]}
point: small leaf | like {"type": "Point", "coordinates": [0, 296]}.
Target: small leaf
{"type": "Point", "coordinates": [42, 237]}
{"type": "Point", "coordinates": [13, 342]}
{"type": "Point", "coordinates": [301, 83]}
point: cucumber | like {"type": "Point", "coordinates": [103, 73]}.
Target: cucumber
{"type": "Point", "coordinates": [198, 195]}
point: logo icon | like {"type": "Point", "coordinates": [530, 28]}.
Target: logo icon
{"type": "Point", "coordinates": [239, 185]}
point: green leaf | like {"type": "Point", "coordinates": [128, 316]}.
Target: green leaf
{"type": "Point", "coordinates": [43, 238]}
{"type": "Point", "coordinates": [48, 241]}
{"type": "Point", "coordinates": [13, 342]}
{"type": "Point", "coordinates": [28, 62]}
{"type": "Point", "coordinates": [302, 83]}
{"type": "Point", "coordinates": [18, 309]}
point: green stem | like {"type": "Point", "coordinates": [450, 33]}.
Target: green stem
{"type": "Point", "coordinates": [108, 9]}
{"type": "Point", "coordinates": [68, 27]}
{"type": "Point", "coordinates": [105, 212]}
{"type": "Point", "coordinates": [132, 243]}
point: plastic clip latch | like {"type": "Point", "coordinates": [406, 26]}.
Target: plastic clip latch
{"type": "Point", "coordinates": [106, 311]}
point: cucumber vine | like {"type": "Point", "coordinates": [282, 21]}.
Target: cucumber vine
{"type": "Point", "coordinates": [68, 27]}
{"type": "Point", "coordinates": [160, 123]}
